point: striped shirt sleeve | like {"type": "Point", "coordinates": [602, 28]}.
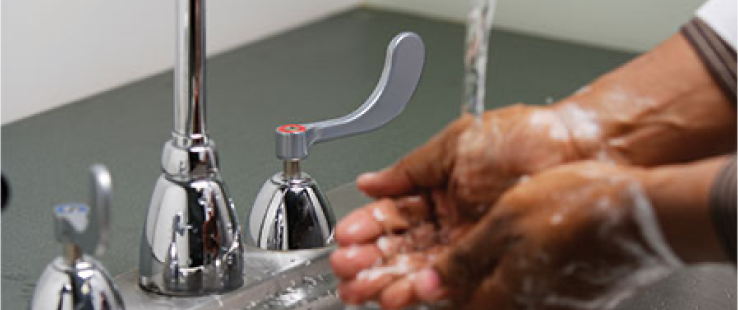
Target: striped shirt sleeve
{"type": "Point", "coordinates": [717, 54]}
{"type": "Point", "coordinates": [723, 207]}
{"type": "Point", "coordinates": [713, 35]}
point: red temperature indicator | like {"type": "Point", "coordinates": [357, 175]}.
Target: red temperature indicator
{"type": "Point", "coordinates": [291, 128]}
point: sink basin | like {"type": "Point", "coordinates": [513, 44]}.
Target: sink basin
{"type": "Point", "coordinates": [303, 280]}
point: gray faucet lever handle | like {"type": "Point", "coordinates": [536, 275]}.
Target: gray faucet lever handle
{"type": "Point", "coordinates": [401, 74]}
{"type": "Point", "coordinates": [83, 225]}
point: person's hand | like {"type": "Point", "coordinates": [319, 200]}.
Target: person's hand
{"type": "Point", "coordinates": [663, 107]}
{"type": "Point", "coordinates": [475, 162]}
{"type": "Point", "coordinates": [579, 236]}
{"type": "Point", "coordinates": [384, 245]}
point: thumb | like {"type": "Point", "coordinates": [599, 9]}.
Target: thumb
{"type": "Point", "coordinates": [424, 168]}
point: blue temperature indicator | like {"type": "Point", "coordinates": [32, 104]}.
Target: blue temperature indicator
{"type": "Point", "coordinates": [71, 208]}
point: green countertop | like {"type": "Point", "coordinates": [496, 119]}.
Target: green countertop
{"type": "Point", "coordinates": [316, 72]}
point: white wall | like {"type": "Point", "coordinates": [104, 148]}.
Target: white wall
{"type": "Point", "coordinates": [55, 52]}
{"type": "Point", "coordinates": [633, 25]}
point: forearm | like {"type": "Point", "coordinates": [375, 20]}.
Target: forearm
{"type": "Point", "coordinates": [662, 107]}
{"type": "Point", "coordinates": [680, 195]}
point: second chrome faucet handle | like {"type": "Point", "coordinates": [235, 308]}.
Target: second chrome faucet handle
{"type": "Point", "coordinates": [87, 227]}
{"type": "Point", "coordinates": [76, 280]}
{"type": "Point", "coordinates": [400, 76]}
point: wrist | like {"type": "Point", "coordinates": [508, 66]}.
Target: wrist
{"type": "Point", "coordinates": [679, 195]}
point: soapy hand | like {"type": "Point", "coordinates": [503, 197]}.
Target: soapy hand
{"type": "Point", "coordinates": [462, 221]}
{"type": "Point", "coordinates": [384, 245]}
{"type": "Point", "coordinates": [475, 162]}
{"type": "Point", "coordinates": [578, 236]}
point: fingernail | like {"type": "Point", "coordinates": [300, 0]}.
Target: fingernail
{"type": "Point", "coordinates": [429, 285]}
{"type": "Point", "coordinates": [352, 252]}
{"type": "Point", "coordinates": [366, 176]}
{"type": "Point", "coordinates": [354, 228]}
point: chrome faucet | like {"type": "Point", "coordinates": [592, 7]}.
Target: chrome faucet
{"type": "Point", "coordinates": [191, 242]}
{"type": "Point", "coordinates": [76, 280]}
{"type": "Point", "coordinates": [290, 211]}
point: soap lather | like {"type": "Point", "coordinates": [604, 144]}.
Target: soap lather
{"type": "Point", "coordinates": [290, 211]}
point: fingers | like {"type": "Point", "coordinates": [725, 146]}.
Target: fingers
{"type": "Point", "coordinates": [370, 284]}
{"type": "Point", "coordinates": [427, 286]}
{"type": "Point", "coordinates": [348, 262]}
{"type": "Point", "coordinates": [426, 167]}
{"type": "Point", "coordinates": [347, 294]}
{"type": "Point", "coordinates": [392, 181]}
{"type": "Point", "coordinates": [386, 213]}
{"type": "Point", "coordinates": [394, 291]}
{"type": "Point", "coordinates": [399, 294]}
{"type": "Point", "coordinates": [385, 216]}
{"type": "Point", "coordinates": [492, 293]}
{"type": "Point", "coordinates": [362, 272]}
{"type": "Point", "coordinates": [358, 227]}
{"type": "Point", "coordinates": [369, 260]}
{"type": "Point", "coordinates": [368, 223]}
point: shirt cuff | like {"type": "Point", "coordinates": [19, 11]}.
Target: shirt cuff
{"type": "Point", "coordinates": [720, 15]}
{"type": "Point", "coordinates": [718, 55]}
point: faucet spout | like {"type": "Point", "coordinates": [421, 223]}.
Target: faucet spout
{"type": "Point", "coordinates": [189, 71]}
{"type": "Point", "coordinates": [191, 242]}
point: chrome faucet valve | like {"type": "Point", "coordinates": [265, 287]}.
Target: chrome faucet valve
{"type": "Point", "coordinates": [76, 280]}
{"type": "Point", "coordinates": [290, 211]}
{"type": "Point", "coordinates": [191, 242]}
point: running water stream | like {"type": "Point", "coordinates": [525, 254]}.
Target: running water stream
{"type": "Point", "coordinates": [479, 23]}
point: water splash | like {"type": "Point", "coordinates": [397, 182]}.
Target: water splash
{"type": "Point", "coordinates": [479, 23]}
